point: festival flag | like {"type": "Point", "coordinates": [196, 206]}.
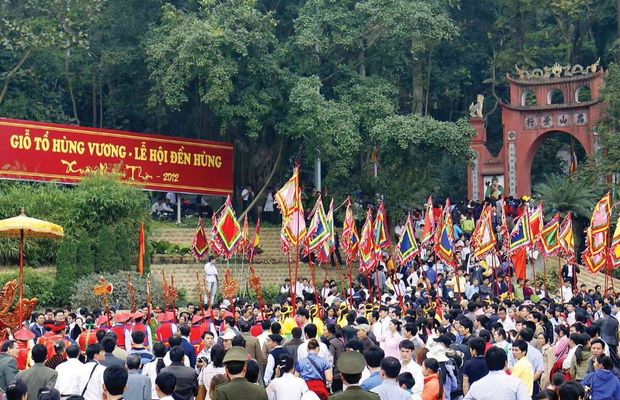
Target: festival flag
{"type": "Point", "coordinates": [366, 247]}
{"type": "Point", "coordinates": [444, 245]}
{"type": "Point", "coordinates": [350, 238]}
{"type": "Point", "coordinates": [318, 231]}
{"type": "Point", "coordinates": [288, 197]}
{"type": "Point", "coordinates": [614, 250]}
{"type": "Point", "coordinates": [429, 224]}
{"type": "Point", "coordinates": [573, 159]}
{"type": "Point", "coordinates": [536, 224]}
{"type": "Point", "coordinates": [519, 262]}
{"type": "Point", "coordinates": [141, 249]}
{"type": "Point", "coordinates": [381, 238]}
{"type": "Point", "coordinates": [483, 237]}
{"type": "Point", "coordinates": [228, 231]}
{"type": "Point", "coordinates": [200, 244]}
{"type": "Point", "coordinates": [295, 227]}
{"type": "Point", "coordinates": [504, 227]}
{"type": "Point", "coordinates": [328, 247]}
{"type": "Point", "coordinates": [407, 248]}
{"type": "Point", "coordinates": [253, 251]}
{"type": "Point", "coordinates": [597, 235]}
{"type": "Point", "coordinates": [567, 240]}
{"type": "Point", "coordinates": [244, 243]}
{"type": "Point", "coordinates": [550, 236]}
{"type": "Point", "coordinates": [520, 235]}
{"type": "Point", "coordinates": [213, 242]}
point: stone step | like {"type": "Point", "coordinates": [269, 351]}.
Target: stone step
{"type": "Point", "coordinates": [272, 275]}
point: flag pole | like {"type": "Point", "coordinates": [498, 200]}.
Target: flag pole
{"type": "Point", "coordinates": [560, 278]}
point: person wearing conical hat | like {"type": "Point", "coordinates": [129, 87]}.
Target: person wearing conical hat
{"type": "Point", "coordinates": [343, 310]}
{"type": "Point", "coordinates": [166, 328]}
{"type": "Point", "coordinates": [288, 322]}
{"type": "Point", "coordinates": [55, 333]}
{"type": "Point", "coordinates": [25, 341]}
{"type": "Point", "coordinates": [316, 320]}
{"type": "Point", "coordinates": [137, 325]}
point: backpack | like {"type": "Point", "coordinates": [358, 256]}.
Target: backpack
{"type": "Point", "coordinates": [452, 374]}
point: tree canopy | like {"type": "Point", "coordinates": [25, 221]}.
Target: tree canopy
{"type": "Point", "coordinates": [318, 78]}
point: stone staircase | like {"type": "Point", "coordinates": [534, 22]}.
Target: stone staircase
{"type": "Point", "coordinates": [271, 265]}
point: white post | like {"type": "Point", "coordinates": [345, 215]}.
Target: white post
{"type": "Point", "coordinates": [317, 174]}
{"type": "Point", "coordinates": [178, 208]}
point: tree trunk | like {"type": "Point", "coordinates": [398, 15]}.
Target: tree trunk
{"type": "Point", "coordinates": [94, 93]}
{"type": "Point", "coordinates": [12, 73]}
{"type": "Point", "coordinates": [276, 164]}
{"type": "Point", "coordinates": [70, 87]}
{"type": "Point", "coordinates": [618, 28]}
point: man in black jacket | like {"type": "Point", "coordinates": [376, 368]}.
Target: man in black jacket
{"type": "Point", "coordinates": [187, 379]}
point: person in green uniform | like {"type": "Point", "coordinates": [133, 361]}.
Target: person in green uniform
{"type": "Point", "coordinates": [351, 364]}
{"type": "Point", "coordinates": [238, 387]}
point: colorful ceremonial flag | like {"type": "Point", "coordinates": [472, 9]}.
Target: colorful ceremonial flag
{"type": "Point", "coordinates": [504, 227]}
{"type": "Point", "coordinates": [444, 246]}
{"type": "Point", "coordinates": [228, 231]}
{"type": "Point", "coordinates": [573, 159]}
{"type": "Point", "coordinates": [318, 231]}
{"type": "Point", "coordinates": [567, 240]}
{"type": "Point", "coordinates": [215, 244]}
{"type": "Point", "coordinates": [426, 237]}
{"type": "Point", "coordinates": [614, 250]}
{"type": "Point", "coordinates": [288, 197]}
{"type": "Point", "coordinates": [141, 249]}
{"type": "Point", "coordinates": [200, 244]}
{"type": "Point", "coordinates": [597, 235]}
{"type": "Point", "coordinates": [536, 224]}
{"type": "Point", "coordinates": [519, 262]}
{"type": "Point", "coordinates": [520, 235]}
{"type": "Point", "coordinates": [381, 238]}
{"type": "Point", "coordinates": [244, 243]}
{"type": "Point", "coordinates": [255, 242]}
{"type": "Point", "coordinates": [407, 248]}
{"type": "Point", "coordinates": [350, 238]}
{"type": "Point", "coordinates": [483, 238]}
{"type": "Point", "coordinates": [366, 247]}
{"type": "Point", "coordinates": [550, 236]}
{"type": "Point", "coordinates": [295, 227]}
{"type": "Point", "coordinates": [328, 246]}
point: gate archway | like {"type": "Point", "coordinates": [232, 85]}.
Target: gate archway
{"type": "Point", "coordinates": [542, 101]}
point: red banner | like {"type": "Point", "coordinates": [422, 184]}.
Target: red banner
{"type": "Point", "coordinates": [50, 152]}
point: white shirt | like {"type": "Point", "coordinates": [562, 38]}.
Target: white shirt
{"type": "Point", "coordinates": [286, 387]}
{"type": "Point", "coordinates": [416, 370]}
{"type": "Point", "coordinates": [302, 352]}
{"type": "Point", "coordinates": [567, 294]}
{"type": "Point", "coordinates": [508, 323]}
{"type": "Point", "coordinates": [94, 387]}
{"type": "Point", "coordinates": [66, 382]}
{"type": "Point", "coordinates": [150, 370]}
{"type": "Point", "coordinates": [167, 360]}
{"type": "Point", "coordinates": [211, 272]}
{"type": "Point", "coordinates": [497, 385]}
{"type": "Point", "coordinates": [245, 194]}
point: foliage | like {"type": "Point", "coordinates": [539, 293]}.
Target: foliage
{"type": "Point", "coordinates": [564, 194]}
{"type": "Point", "coordinates": [165, 247]}
{"type": "Point", "coordinates": [327, 79]}
{"type": "Point", "coordinates": [550, 280]}
{"type": "Point", "coordinates": [82, 294]}
{"type": "Point", "coordinates": [36, 284]}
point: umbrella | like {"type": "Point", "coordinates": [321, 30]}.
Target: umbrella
{"type": "Point", "coordinates": [20, 227]}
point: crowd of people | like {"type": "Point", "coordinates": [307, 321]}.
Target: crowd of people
{"type": "Point", "coordinates": [416, 347]}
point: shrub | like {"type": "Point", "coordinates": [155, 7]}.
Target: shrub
{"type": "Point", "coordinates": [83, 291]}
{"type": "Point", "coordinates": [36, 284]}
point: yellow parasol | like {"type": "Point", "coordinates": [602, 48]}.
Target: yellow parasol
{"type": "Point", "coordinates": [20, 227]}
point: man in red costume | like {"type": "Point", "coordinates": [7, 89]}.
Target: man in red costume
{"type": "Point", "coordinates": [24, 338]}
{"type": "Point", "coordinates": [138, 325]}
{"type": "Point", "coordinates": [54, 333]}
{"type": "Point", "coordinates": [119, 328]}
{"type": "Point", "coordinates": [166, 328]}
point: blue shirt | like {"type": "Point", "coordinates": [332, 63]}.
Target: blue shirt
{"type": "Point", "coordinates": [372, 381]}
{"type": "Point", "coordinates": [431, 274]}
{"type": "Point", "coordinates": [308, 372]}
{"type": "Point", "coordinates": [389, 390]}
